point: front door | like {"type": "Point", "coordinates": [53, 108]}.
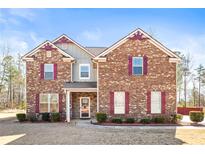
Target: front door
{"type": "Point", "coordinates": [85, 107]}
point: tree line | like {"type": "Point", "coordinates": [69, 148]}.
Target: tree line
{"type": "Point", "coordinates": [190, 83]}
{"type": "Point", "coordinates": [12, 80]}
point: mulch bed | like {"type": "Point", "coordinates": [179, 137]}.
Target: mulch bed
{"type": "Point", "coordinates": [150, 124]}
{"type": "Point", "coordinates": [38, 122]}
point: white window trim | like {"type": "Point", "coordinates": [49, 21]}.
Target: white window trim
{"type": "Point", "coordinates": [88, 107]}
{"type": "Point", "coordinates": [49, 102]}
{"type": "Point", "coordinates": [137, 65]}
{"type": "Point", "coordinates": [45, 72]}
{"type": "Point", "coordinates": [82, 78]}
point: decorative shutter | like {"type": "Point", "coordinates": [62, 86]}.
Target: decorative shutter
{"type": "Point", "coordinates": [130, 65]}
{"type": "Point", "coordinates": [37, 103]}
{"type": "Point", "coordinates": [55, 71]}
{"type": "Point", "coordinates": [42, 71]}
{"type": "Point", "coordinates": [148, 102]}
{"type": "Point", "coordinates": [126, 102]}
{"type": "Point", "coordinates": [145, 65]}
{"type": "Point", "coordinates": [163, 97]}
{"type": "Point", "coordinates": [60, 102]}
{"type": "Point", "coordinates": [111, 103]}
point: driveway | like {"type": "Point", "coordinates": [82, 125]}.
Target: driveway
{"type": "Point", "coordinates": [82, 132]}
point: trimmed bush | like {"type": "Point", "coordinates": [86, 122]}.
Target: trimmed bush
{"type": "Point", "coordinates": [32, 118]}
{"type": "Point", "coordinates": [145, 120]}
{"type": "Point", "coordinates": [117, 120]}
{"type": "Point", "coordinates": [176, 117]}
{"type": "Point", "coordinates": [130, 120]}
{"type": "Point", "coordinates": [196, 116]}
{"type": "Point", "coordinates": [55, 117]}
{"type": "Point", "coordinates": [46, 116]}
{"type": "Point", "coordinates": [21, 117]}
{"type": "Point", "coordinates": [101, 117]}
{"type": "Point", "coordinates": [158, 119]}
{"type": "Point", "coordinates": [179, 117]}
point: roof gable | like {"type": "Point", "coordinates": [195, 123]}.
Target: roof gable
{"type": "Point", "coordinates": [47, 45]}
{"type": "Point", "coordinates": [65, 39]}
{"type": "Point", "coordinates": [138, 34]}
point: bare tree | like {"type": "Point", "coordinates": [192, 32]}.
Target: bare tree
{"type": "Point", "coordinates": [200, 76]}
{"type": "Point", "coordinates": [186, 67]}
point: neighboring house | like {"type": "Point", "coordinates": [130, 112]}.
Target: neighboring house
{"type": "Point", "coordinates": [136, 76]}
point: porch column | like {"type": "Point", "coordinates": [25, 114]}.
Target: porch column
{"type": "Point", "coordinates": [68, 106]}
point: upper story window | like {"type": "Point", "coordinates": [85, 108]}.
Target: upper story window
{"type": "Point", "coordinates": [84, 71]}
{"type": "Point", "coordinates": [137, 65]}
{"type": "Point", "coordinates": [48, 72]}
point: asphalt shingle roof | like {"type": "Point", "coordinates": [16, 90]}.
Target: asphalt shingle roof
{"type": "Point", "coordinates": [80, 85]}
{"type": "Point", "coordinates": [96, 50]}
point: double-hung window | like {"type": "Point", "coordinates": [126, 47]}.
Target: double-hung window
{"type": "Point", "coordinates": [48, 103]}
{"type": "Point", "coordinates": [48, 72]}
{"type": "Point", "coordinates": [84, 71]}
{"type": "Point", "coordinates": [137, 65]}
{"type": "Point", "coordinates": [156, 102]}
{"type": "Point", "coordinates": [119, 102]}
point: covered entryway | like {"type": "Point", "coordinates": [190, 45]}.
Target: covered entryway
{"type": "Point", "coordinates": [81, 100]}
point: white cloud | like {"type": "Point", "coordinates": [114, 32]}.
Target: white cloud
{"type": "Point", "coordinates": [195, 45]}
{"type": "Point", "coordinates": [14, 44]}
{"type": "Point", "coordinates": [35, 38]}
{"type": "Point", "coordinates": [93, 35]}
{"type": "Point", "coordinates": [27, 14]}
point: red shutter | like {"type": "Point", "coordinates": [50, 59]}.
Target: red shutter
{"type": "Point", "coordinates": [130, 65]}
{"type": "Point", "coordinates": [55, 71]}
{"type": "Point", "coordinates": [60, 102]}
{"type": "Point", "coordinates": [126, 102]}
{"type": "Point", "coordinates": [42, 71]}
{"type": "Point", "coordinates": [163, 97]}
{"type": "Point", "coordinates": [111, 103]}
{"type": "Point", "coordinates": [37, 103]}
{"type": "Point", "coordinates": [145, 65]}
{"type": "Point", "coordinates": [148, 102]}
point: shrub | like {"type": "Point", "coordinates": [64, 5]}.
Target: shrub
{"type": "Point", "coordinates": [196, 116]}
{"type": "Point", "coordinates": [55, 117]}
{"type": "Point", "coordinates": [179, 117]}
{"type": "Point", "coordinates": [32, 118]}
{"type": "Point", "coordinates": [101, 117]}
{"type": "Point", "coordinates": [46, 116]}
{"type": "Point", "coordinates": [145, 120]}
{"type": "Point", "coordinates": [117, 120]}
{"type": "Point", "coordinates": [21, 117]}
{"type": "Point", "coordinates": [130, 120]}
{"type": "Point", "coordinates": [158, 119]}
{"type": "Point", "coordinates": [176, 117]}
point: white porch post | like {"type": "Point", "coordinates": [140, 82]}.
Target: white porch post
{"type": "Point", "coordinates": [68, 106]}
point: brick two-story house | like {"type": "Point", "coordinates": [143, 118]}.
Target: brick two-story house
{"type": "Point", "coordinates": [134, 77]}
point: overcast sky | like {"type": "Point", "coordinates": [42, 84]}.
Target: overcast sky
{"type": "Point", "coordinates": [178, 29]}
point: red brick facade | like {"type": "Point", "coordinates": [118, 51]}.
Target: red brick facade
{"type": "Point", "coordinates": [114, 76]}
{"type": "Point", "coordinates": [35, 85]}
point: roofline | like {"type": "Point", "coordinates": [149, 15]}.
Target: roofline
{"type": "Point", "coordinates": [80, 46]}
{"type": "Point", "coordinates": [151, 39]}
{"type": "Point", "coordinates": [32, 52]}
